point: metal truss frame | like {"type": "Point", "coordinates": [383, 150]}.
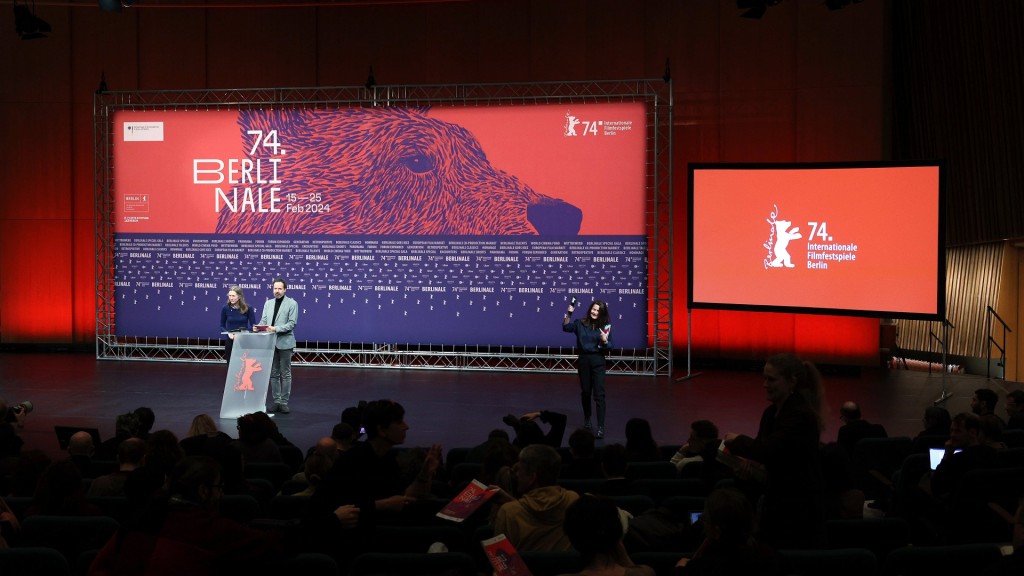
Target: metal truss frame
{"type": "Point", "coordinates": [656, 94]}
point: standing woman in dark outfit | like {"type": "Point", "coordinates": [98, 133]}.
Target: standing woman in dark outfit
{"type": "Point", "coordinates": [593, 339]}
{"type": "Point", "coordinates": [234, 317]}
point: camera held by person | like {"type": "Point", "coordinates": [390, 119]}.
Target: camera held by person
{"type": "Point", "coordinates": [14, 411]}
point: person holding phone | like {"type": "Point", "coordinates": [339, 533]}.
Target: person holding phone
{"type": "Point", "coordinates": [593, 340]}
{"type": "Point", "coordinates": [236, 316]}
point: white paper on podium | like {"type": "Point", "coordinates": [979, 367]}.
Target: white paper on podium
{"type": "Point", "coordinates": [248, 380]}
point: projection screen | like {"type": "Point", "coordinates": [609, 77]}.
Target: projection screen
{"type": "Point", "coordinates": [863, 239]}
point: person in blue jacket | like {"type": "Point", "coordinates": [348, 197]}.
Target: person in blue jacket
{"type": "Point", "coordinates": [593, 340]}
{"type": "Point", "coordinates": [235, 316]}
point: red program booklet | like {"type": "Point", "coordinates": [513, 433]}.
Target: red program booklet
{"type": "Point", "coordinates": [466, 502]}
{"type": "Point", "coordinates": [504, 557]}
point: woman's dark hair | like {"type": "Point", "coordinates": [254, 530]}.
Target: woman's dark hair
{"type": "Point", "coordinates": [59, 490]}
{"type": "Point", "coordinates": [806, 379]}
{"type": "Point", "coordinates": [250, 430]}
{"type": "Point", "coordinates": [380, 414]}
{"type": "Point", "coordinates": [189, 475]}
{"type": "Point", "coordinates": [729, 510]}
{"type": "Point", "coordinates": [640, 443]}
{"type": "Point", "coordinates": [163, 451]}
{"type": "Point", "coordinates": [593, 526]}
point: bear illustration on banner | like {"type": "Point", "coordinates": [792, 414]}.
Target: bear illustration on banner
{"type": "Point", "coordinates": [390, 171]}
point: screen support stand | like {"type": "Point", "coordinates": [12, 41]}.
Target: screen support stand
{"type": "Point", "coordinates": [689, 374]}
{"type": "Point", "coordinates": [944, 394]}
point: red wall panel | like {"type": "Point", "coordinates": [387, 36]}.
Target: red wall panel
{"type": "Point", "coordinates": [803, 83]}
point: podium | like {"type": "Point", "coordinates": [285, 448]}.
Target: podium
{"type": "Point", "coordinates": [245, 389]}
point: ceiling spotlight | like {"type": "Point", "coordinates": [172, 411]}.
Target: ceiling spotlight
{"type": "Point", "coordinates": [27, 24]}
{"type": "Point", "coordinates": [755, 9]}
{"type": "Point", "coordinates": [115, 5]}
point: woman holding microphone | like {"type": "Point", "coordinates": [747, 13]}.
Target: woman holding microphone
{"type": "Point", "coordinates": [593, 339]}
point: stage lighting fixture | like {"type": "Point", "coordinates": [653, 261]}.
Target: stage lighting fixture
{"type": "Point", "coordinates": [115, 5]}
{"type": "Point", "coordinates": [27, 24]}
{"type": "Point", "coordinates": [755, 9]}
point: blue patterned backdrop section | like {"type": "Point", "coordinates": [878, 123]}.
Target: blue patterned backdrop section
{"type": "Point", "coordinates": [460, 290]}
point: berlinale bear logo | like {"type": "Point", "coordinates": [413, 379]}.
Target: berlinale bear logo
{"type": "Point", "coordinates": [243, 380]}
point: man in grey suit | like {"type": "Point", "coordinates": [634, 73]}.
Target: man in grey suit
{"type": "Point", "coordinates": [281, 314]}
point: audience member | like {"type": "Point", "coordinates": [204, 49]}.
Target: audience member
{"type": "Point", "coordinates": [477, 453]}
{"type": "Point", "coordinates": [10, 528]}
{"type": "Point", "coordinates": [1011, 564]}
{"type": "Point", "coordinates": [353, 416]}
{"type": "Point", "coordinates": [984, 402]}
{"type": "Point", "coordinates": [81, 450]}
{"type": "Point", "coordinates": [498, 462]}
{"type": "Point", "coordinates": [964, 452]}
{"type": "Point", "coordinates": [936, 421]}
{"type": "Point", "coordinates": [992, 431]}
{"type": "Point", "coordinates": [163, 453]}
{"type": "Point", "coordinates": [843, 498]}
{"type": "Point", "coordinates": [729, 547]}
{"type": "Point", "coordinates": [787, 446]}
{"type": "Point", "coordinates": [583, 462]}
{"type": "Point", "coordinates": [595, 529]}
{"type": "Point", "coordinates": [28, 469]}
{"type": "Point", "coordinates": [314, 470]}
{"type": "Point", "coordinates": [534, 521]}
{"type": "Point", "coordinates": [640, 443]}
{"type": "Point", "coordinates": [125, 426]}
{"type": "Point", "coordinates": [698, 457]}
{"type": "Point", "coordinates": [529, 432]}
{"type": "Point", "coordinates": [327, 447]}
{"type": "Point", "coordinates": [344, 436]}
{"type": "Point", "coordinates": [203, 438]}
{"type": "Point", "coordinates": [855, 427]}
{"type": "Point", "coordinates": [614, 462]}
{"type": "Point", "coordinates": [254, 440]}
{"type": "Point", "coordinates": [1015, 410]}
{"type": "Point", "coordinates": [182, 533]}
{"type": "Point", "coordinates": [232, 469]}
{"type": "Point", "coordinates": [129, 457]}
{"type": "Point", "coordinates": [11, 425]}
{"type": "Point", "coordinates": [60, 492]}
{"type": "Point", "coordinates": [368, 475]}
{"type": "Point", "coordinates": [290, 453]}
{"type": "Point", "coordinates": [146, 420]}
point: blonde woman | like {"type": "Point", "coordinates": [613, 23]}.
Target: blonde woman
{"type": "Point", "coordinates": [236, 316]}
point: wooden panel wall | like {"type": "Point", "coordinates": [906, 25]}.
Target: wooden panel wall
{"type": "Point", "coordinates": [973, 280]}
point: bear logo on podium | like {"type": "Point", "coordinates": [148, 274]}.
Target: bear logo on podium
{"type": "Point", "coordinates": [243, 380]}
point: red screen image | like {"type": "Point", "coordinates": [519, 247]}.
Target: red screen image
{"type": "Point", "coordinates": [834, 239]}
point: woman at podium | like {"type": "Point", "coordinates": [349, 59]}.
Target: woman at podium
{"type": "Point", "coordinates": [236, 316]}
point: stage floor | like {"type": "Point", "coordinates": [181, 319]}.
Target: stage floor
{"type": "Point", "coordinates": [454, 408]}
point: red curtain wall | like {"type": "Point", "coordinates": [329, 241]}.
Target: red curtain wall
{"type": "Point", "coordinates": [802, 84]}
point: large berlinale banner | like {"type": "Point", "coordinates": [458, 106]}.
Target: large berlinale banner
{"type": "Point", "coordinates": [442, 226]}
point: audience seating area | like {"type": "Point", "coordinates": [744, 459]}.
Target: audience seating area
{"type": "Point", "coordinates": [889, 540]}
